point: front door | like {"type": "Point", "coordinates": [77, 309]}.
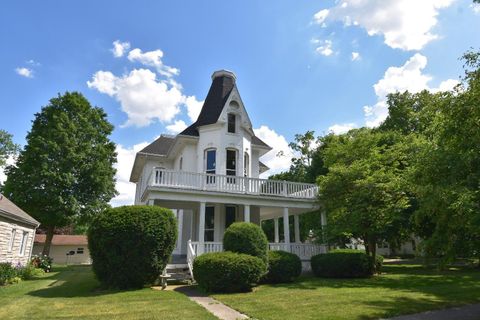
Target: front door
{"type": "Point", "coordinates": [179, 215]}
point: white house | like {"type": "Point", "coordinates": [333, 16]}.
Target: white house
{"type": "Point", "coordinates": [209, 175]}
{"type": "Point", "coordinates": [17, 230]}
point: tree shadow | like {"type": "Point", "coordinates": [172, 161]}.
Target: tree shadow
{"type": "Point", "coordinates": [73, 282]}
{"type": "Point", "coordinates": [442, 289]}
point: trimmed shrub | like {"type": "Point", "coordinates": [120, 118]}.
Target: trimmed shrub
{"type": "Point", "coordinates": [130, 245]}
{"type": "Point", "coordinates": [248, 238]}
{"type": "Point", "coordinates": [282, 267]}
{"type": "Point", "coordinates": [227, 271]}
{"type": "Point", "coordinates": [345, 263]}
{"type": "Point", "coordinates": [7, 273]}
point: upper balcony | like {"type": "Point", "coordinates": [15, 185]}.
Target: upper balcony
{"type": "Point", "coordinates": [159, 177]}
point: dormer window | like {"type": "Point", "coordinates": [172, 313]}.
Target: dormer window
{"type": "Point", "coordinates": [231, 123]}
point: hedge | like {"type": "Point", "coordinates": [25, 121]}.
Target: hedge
{"type": "Point", "coordinates": [345, 263]}
{"type": "Point", "coordinates": [282, 267]}
{"type": "Point", "coordinates": [227, 271]}
{"type": "Point", "coordinates": [248, 238]}
{"type": "Point", "coordinates": [131, 245]}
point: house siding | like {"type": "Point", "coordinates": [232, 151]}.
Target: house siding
{"type": "Point", "coordinates": [59, 253]}
{"type": "Point", "coordinates": [14, 257]}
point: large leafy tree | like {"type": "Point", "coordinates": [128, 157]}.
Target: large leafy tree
{"type": "Point", "coordinates": [364, 189]}
{"type": "Point", "coordinates": [447, 174]}
{"type": "Point", "coordinates": [65, 172]}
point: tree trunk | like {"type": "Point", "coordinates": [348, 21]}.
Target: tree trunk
{"type": "Point", "coordinates": [48, 241]}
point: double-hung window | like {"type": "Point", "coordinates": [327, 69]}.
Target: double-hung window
{"type": "Point", "coordinates": [12, 240]}
{"type": "Point", "coordinates": [231, 165]}
{"type": "Point", "coordinates": [210, 164]}
{"type": "Point", "coordinates": [232, 119]}
{"type": "Point", "coordinates": [23, 244]}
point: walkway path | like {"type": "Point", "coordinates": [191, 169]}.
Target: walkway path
{"type": "Point", "coordinates": [469, 312]}
{"type": "Point", "coordinates": [220, 310]}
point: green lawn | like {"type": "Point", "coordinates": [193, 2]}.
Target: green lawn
{"type": "Point", "coordinates": [403, 289]}
{"type": "Point", "coordinates": [72, 293]}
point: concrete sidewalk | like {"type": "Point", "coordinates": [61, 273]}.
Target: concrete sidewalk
{"type": "Point", "coordinates": [468, 312]}
{"type": "Point", "coordinates": [218, 309]}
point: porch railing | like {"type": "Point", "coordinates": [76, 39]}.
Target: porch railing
{"type": "Point", "coordinates": [304, 250]}
{"type": "Point", "coordinates": [230, 184]}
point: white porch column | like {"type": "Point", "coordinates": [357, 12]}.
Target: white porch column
{"type": "Point", "coordinates": [277, 237]}
{"type": "Point", "coordinates": [201, 228]}
{"type": "Point", "coordinates": [180, 230]}
{"type": "Point", "coordinates": [286, 229]}
{"type": "Point", "coordinates": [296, 223]}
{"type": "Point", "coordinates": [246, 213]}
{"type": "Point", "coordinates": [324, 223]}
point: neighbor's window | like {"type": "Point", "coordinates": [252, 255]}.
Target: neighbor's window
{"type": "Point", "coordinates": [231, 123]}
{"type": "Point", "coordinates": [79, 250]}
{"type": "Point", "coordinates": [23, 244]}
{"type": "Point", "coordinates": [12, 240]}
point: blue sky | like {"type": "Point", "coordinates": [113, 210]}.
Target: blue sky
{"type": "Point", "coordinates": [300, 65]}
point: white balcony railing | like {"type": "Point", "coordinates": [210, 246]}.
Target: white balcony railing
{"type": "Point", "coordinates": [229, 184]}
{"type": "Point", "coordinates": [304, 250]}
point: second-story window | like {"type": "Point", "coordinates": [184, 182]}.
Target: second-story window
{"type": "Point", "coordinates": [231, 123]}
{"type": "Point", "coordinates": [246, 165]}
{"type": "Point", "coordinates": [210, 161]}
{"type": "Point", "coordinates": [231, 165]}
{"type": "Point", "coordinates": [181, 164]}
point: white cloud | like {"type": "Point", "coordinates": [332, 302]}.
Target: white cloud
{"type": "Point", "coordinates": [177, 127]}
{"type": "Point", "coordinates": [119, 48]}
{"type": "Point", "coordinates": [142, 96]}
{"type": "Point", "coordinates": [24, 72]}
{"type": "Point", "coordinates": [146, 95]}
{"type": "Point", "coordinates": [409, 77]}
{"type": "Point", "coordinates": [475, 7]}
{"type": "Point", "coordinates": [125, 159]}
{"type": "Point", "coordinates": [325, 47]}
{"type": "Point", "coordinates": [272, 159]}
{"type": "Point", "coordinates": [342, 128]}
{"type": "Point", "coordinates": [355, 56]}
{"type": "Point", "coordinates": [320, 16]}
{"type": "Point", "coordinates": [404, 24]}
{"type": "Point", "coordinates": [193, 107]}
{"type": "Point", "coordinates": [152, 59]}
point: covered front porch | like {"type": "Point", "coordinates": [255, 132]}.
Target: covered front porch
{"type": "Point", "coordinates": [201, 225]}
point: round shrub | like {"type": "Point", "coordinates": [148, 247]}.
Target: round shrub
{"type": "Point", "coordinates": [248, 238]}
{"type": "Point", "coordinates": [227, 271]}
{"type": "Point", "coordinates": [130, 245]}
{"type": "Point", "coordinates": [282, 267]}
{"type": "Point", "coordinates": [342, 264]}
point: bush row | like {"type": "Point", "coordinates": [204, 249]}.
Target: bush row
{"type": "Point", "coordinates": [346, 263]}
{"type": "Point", "coordinates": [12, 274]}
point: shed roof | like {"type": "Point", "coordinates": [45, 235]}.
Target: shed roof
{"type": "Point", "coordinates": [63, 239]}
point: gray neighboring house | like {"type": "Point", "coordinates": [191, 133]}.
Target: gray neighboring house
{"type": "Point", "coordinates": [17, 232]}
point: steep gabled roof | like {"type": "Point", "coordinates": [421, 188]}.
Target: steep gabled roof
{"type": "Point", "coordinates": [159, 146]}
{"type": "Point", "coordinates": [217, 96]}
{"type": "Point", "coordinates": [10, 210]}
{"type": "Point", "coordinates": [223, 82]}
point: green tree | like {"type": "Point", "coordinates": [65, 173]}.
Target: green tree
{"type": "Point", "coordinates": [7, 147]}
{"type": "Point", "coordinates": [65, 172]}
{"type": "Point", "coordinates": [363, 191]}
{"type": "Point", "coordinates": [447, 173]}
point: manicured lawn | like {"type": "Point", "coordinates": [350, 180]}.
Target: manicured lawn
{"type": "Point", "coordinates": [72, 293]}
{"type": "Point", "coordinates": [403, 289]}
